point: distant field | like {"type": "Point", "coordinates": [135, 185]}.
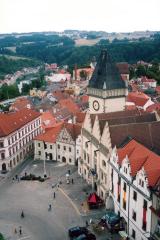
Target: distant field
{"type": "Point", "coordinates": [13, 49]}
{"type": "Point", "coordinates": [86, 42]}
{"type": "Point", "coordinates": [13, 57]}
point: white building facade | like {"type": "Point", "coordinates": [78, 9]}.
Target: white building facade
{"type": "Point", "coordinates": [17, 131]}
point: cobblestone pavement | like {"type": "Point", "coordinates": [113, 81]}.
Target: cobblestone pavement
{"type": "Point", "coordinates": [34, 198]}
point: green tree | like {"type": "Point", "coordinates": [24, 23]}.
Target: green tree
{"type": "Point", "coordinates": [141, 71]}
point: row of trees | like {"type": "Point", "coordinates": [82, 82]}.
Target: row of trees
{"type": "Point", "coordinates": [146, 50]}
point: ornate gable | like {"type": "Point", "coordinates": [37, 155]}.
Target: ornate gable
{"type": "Point", "coordinates": [65, 137]}
{"type": "Point", "coordinates": [105, 139]}
{"type": "Point", "coordinates": [96, 129]}
{"type": "Point", "coordinates": [87, 123]}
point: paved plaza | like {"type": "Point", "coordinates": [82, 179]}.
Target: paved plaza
{"type": "Point", "coordinates": [33, 197]}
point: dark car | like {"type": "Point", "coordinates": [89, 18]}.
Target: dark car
{"type": "Point", "coordinates": [88, 236]}
{"type": "Point", "coordinates": [77, 231]}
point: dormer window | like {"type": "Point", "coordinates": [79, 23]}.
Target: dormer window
{"type": "Point", "coordinates": [141, 183]}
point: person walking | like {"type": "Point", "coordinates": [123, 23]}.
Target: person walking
{"type": "Point", "coordinates": [49, 207]}
{"type": "Point", "coordinates": [20, 230]}
{"type": "Point", "coordinates": [72, 181]}
{"type": "Point", "coordinates": [54, 195]}
{"type": "Point", "coordinates": [22, 214]}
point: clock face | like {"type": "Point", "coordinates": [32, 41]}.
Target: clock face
{"type": "Point", "coordinates": [96, 105]}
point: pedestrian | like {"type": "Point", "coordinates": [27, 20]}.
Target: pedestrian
{"type": "Point", "coordinates": [15, 231]}
{"type": "Point", "coordinates": [87, 225]}
{"type": "Point", "coordinates": [69, 171]}
{"type": "Point", "coordinates": [52, 186]}
{"type": "Point", "coordinates": [20, 230]}
{"type": "Point", "coordinates": [54, 195]}
{"type": "Point", "coordinates": [13, 179]}
{"type": "Point", "coordinates": [49, 207]}
{"type": "Point", "coordinates": [72, 181]}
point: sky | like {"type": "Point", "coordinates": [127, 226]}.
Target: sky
{"type": "Point", "coordinates": [58, 15]}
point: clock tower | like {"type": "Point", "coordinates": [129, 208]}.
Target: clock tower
{"type": "Point", "coordinates": [106, 90]}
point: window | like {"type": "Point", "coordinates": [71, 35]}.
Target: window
{"type": "Point", "coordinates": [39, 144]}
{"type": "Point", "coordinates": [19, 134]}
{"type": "Point", "coordinates": [9, 142]}
{"type": "Point", "coordinates": [144, 226]}
{"type": "Point", "coordinates": [1, 144]}
{"type": "Point", "coordinates": [103, 163]}
{"type": "Point", "coordinates": [70, 160]}
{"type": "Point", "coordinates": [39, 152]}
{"type": "Point", "coordinates": [86, 144]}
{"type": "Point", "coordinates": [50, 146]}
{"type": "Point", "coordinates": [145, 204]}
{"type": "Point", "coordinates": [88, 158]}
{"type": "Point", "coordinates": [58, 156]}
{"type": "Point", "coordinates": [124, 186]}
{"type": "Point", "coordinates": [84, 155]}
{"type": "Point", "coordinates": [64, 148]}
{"type": "Point", "coordinates": [124, 204]}
{"type": "Point", "coordinates": [58, 146]}
{"type": "Point", "coordinates": [134, 215]}
{"type": "Point", "coordinates": [2, 156]}
{"type": "Point", "coordinates": [141, 183]}
{"type": "Point", "coordinates": [133, 234]}
{"type": "Point", "coordinates": [77, 151]}
{"type": "Point", "coordinates": [69, 149]}
{"type": "Point", "coordinates": [135, 195]}
{"type": "Point", "coordinates": [15, 137]}
{"type": "Point", "coordinates": [85, 171]}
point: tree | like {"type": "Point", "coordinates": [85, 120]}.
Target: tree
{"type": "Point", "coordinates": [141, 71]}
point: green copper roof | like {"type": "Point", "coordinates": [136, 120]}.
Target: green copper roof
{"type": "Point", "coordinates": [106, 74]}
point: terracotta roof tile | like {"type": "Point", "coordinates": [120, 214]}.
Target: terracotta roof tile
{"type": "Point", "coordinates": [50, 134]}
{"type": "Point", "coordinates": [10, 122]}
{"type": "Point", "coordinates": [139, 156]}
{"type": "Point", "coordinates": [139, 98]}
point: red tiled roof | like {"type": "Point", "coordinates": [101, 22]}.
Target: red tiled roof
{"type": "Point", "coordinates": [20, 103]}
{"type": "Point", "coordinates": [80, 116]}
{"type": "Point", "coordinates": [138, 98]}
{"type": "Point", "coordinates": [51, 134]}
{"type": "Point", "coordinates": [85, 98]}
{"type": "Point", "coordinates": [153, 107]}
{"type": "Point", "coordinates": [123, 68]}
{"type": "Point", "coordinates": [10, 122]}
{"type": "Point", "coordinates": [144, 79]}
{"type": "Point", "coordinates": [140, 156]}
{"type": "Point", "coordinates": [70, 105]}
{"type": "Point", "coordinates": [47, 120]}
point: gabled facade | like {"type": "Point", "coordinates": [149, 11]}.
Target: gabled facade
{"type": "Point", "coordinates": [60, 143]}
{"type": "Point", "coordinates": [134, 171]}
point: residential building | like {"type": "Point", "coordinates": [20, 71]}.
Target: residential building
{"type": "Point", "coordinates": [134, 171]}
{"type": "Point", "coordinates": [45, 143]}
{"type": "Point", "coordinates": [60, 143]}
{"type": "Point", "coordinates": [17, 131]}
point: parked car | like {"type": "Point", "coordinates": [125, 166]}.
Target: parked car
{"type": "Point", "coordinates": [77, 231]}
{"type": "Point", "coordinates": [88, 236]}
{"type": "Point", "coordinates": [111, 220]}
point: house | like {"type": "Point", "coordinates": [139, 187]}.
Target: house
{"type": "Point", "coordinates": [45, 143]}
{"type": "Point", "coordinates": [80, 73]}
{"type": "Point", "coordinates": [141, 100]}
{"type": "Point", "coordinates": [17, 131]}
{"type": "Point", "coordinates": [148, 83]}
{"type": "Point", "coordinates": [60, 143]}
{"type": "Point", "coordinates": [134, 171]}
{"type": "Point", "coordinates": [69, 144]}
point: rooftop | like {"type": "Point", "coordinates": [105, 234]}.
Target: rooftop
{"type": "Point", "coordinates": [106, 74]}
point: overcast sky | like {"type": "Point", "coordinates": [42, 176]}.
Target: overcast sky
{"type": "Point", "coordinates": [57, 15]}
